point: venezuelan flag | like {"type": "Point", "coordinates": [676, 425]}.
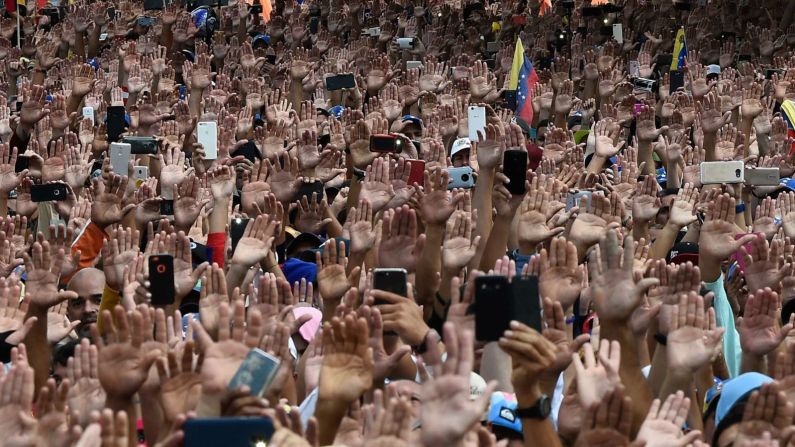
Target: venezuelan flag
{"type": "Point", "coordinates": [680, 51]}
{"type": "Point", "coordinates": [788, 113]}
{"type": "Point", "coordinates": [523, 79]}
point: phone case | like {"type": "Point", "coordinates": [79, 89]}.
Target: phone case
{"type": "Point", "coordinates": [207, 136]}
{"type": "Point", "coordinates": [417, 173]}
{"type": "Point", "coordinates": [762, 176]}
{"type": "Point", "coordinates": [256, 372]}
{"type": "Point", "coordinates": [462, 177]}
{"type": "Point", "coordinates": [390, 280]}
{"type": "Point", "coordinates": [575, 197]}
{"type": "Point", "coordinates": [116, 122]}
{"type": "Point", "coordinates": [235, 431]}
{"type": "Point", "coordinates": [49, 192]}
{"type": "Point", "coordinates": [492, 307]}
{"type": "Point", "coordinates": [526, 304]}
{"type": "Point", "coordinates": [120, 158]}
{"type": "Point", "coordinates": [514, 166]}
{"type": "Point", "coordinates": [715, 172]}
{"type": "Point", "coordinates": [476, 120]}
{"type": "Point", "coordinates": [161, 277]}
{"type": "Point", "coordinates": [140, 172]}
{"type": "Point", "coordinates": [88, 112]}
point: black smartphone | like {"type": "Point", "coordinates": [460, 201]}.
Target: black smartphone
{"type": "Point", "coordinates": [242, 431]}
{"type": "Point", "coordinates": [248, 150]}
{"type": "Point", "coordinates": [23, 162]}
{"type": "Point", "coordinates": [677, 81]}
{"type": "Point", "coordinates": [770, 71]}
{"type": "Point", "coordinates": [492, 307]}
{"type": "Point", "coordinates": [48, 192]}
{"type": "Point", "coordinates": [313, 24]}
{"type": "Point", "coordinates": [526, 303]}
{"type": "Point", "coordinates": [514, 165]}
{"type": "Point", "coordinates": [146, 21]}
{"type": "Point", "coordinates": [390, 280]}
{"type": "Point", "coordinates": [683, 5]}
{"type": "Point", "coordinates": [161, 278]}
{"type": "Point", "coordinates": [167, 207]}
{"type": "Point", "coordinates": [340, 82]}
{"type": "Point", "coordinates": [389, 144]}
{"type": "Point", "coordinates": [236, 229]}
{"type": "Point", "coordinates": [591, 11]}
{"type": "Point", "coordinates": [116, 123]}
{"type": "Point", "coordinates": [308, 188]}
{"type": "Point", "coordinates": [141, 145]}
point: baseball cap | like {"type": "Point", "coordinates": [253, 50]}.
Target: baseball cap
{"type": "Point", "coordinates": [713, 69]}
{"type": "Point", "coordinates": [296, 269]}
{"type": "Point", "coordinates": [735, 390]}
{"type": "Point", "coordinates": [412, 119]}
{"type": "Point", "coordinates": [336, 111]}
{"type": "Point", "coordinates": [787, 183]}
{"type": "Point", "coordinates": [683, 252]}
{"type": "Point", "coordinates": [502, 411]}
{"type": "Point", "coordinates": [477, 385]}
{"type": "Point", "coordinates": [459, 145]}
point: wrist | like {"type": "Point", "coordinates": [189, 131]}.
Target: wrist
{"type": "Point", "coordinates": [527, 394]}
{"type": "Point", "coordinates": [526, 248]}
{"type": "Point", "coordinates": [416, 336]}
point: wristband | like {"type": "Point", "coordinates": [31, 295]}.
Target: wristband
{"type": "Point", "coordinates": [661, 338]}
{"type": "Point", "coordinates": [740, 208]}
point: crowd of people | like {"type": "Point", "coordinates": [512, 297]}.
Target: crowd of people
{"type": "Point", "coordinates": [397, 223]}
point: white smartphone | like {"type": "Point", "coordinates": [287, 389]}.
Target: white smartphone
{"type": "Point", "coordinates": [762, 176]}
{"type": "Point", "coordinates": [413, 64]}
{"type": "Point", "coordinates": [717, 172]}
{"type": "Point", "coordinates": [207, 136]}
{"type": "Point", "coordinates": [405, 43]}
{"type": "Point", "coordinates": [120, 158]}
{"type": "Point", "coordinates": [140, 173]}
{"type": "Point", "coordinates": [618, 32]}
{"type": "Point", "coordinates": [88, 112]}
{"type": "Point", "coordinates": [374, 32]}
{"type": "Point", "coordinates": [476, 119]}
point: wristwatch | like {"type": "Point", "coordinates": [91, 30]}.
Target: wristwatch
{"type": "Point", "coordinates": [540, 410]}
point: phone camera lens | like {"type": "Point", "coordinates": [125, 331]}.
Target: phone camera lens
{"type": "Point", "coordinates": [465, 177]}
{"type": "Point", "coordinates": [56, 193]}
{"type": "Point", "coordinates": [737, 173]}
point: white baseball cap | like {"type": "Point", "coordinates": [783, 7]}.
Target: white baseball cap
{"type": "Point", "coordinates": [459, 145]}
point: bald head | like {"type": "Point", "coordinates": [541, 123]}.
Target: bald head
{"type": "Point", "coordinates": [88, 284]}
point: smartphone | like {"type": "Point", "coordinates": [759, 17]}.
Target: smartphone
{"type": "Point", "coordinates": [526, 302]}
{"type": "Point", "coordinates": [762, 176]}
{"type": "Point", "coordinates": [120, 154]}
{"type": "Point", "coordinates": [373, 32]}
{"type": "Point", "coordinates": [314, 22]}
{"type": "Point", "coordinates": [140, 173]}
{"type": "Point", "coordinates": [88, 112]}
{"type": "Point", "coordinates": [207, 136]}
{"type": "Point", "coordinates": [48, 192]}
{"type": "Point", "coordinates": [770, 71]}
{"type": "Point", "coordinates": [23, 162]}
{"type": "Point", "coordinates": [249, 150]}
{"type": "Point", "coordinates": [146, 21]}
{"type": "Point", "coordinates": [417, 172]}
{"type": "Point", "coordinates": [405, 43]}
{"type": "Point", "coordinates": [413, 64]}
{"type": "Point", "coordinates": [116, 122]}
{"type": "Point", "coordinates": [677, 80]}
{"type": "Point", "coordinates": [242, 431]}
{"type": "Point", "coordinates": [161, 277]}
{"type": "Point", "coordinates": [340, 82]}
{"type": "Point", "coordinates": [476, 119]}
{"type": "Point", "coordinates": [717, 172]}
{"type": "Point", "coordinates": [574, 198]}
{"type": "Point", "coordinates": [645, 85]}
{"type": "Point", "coordinates": [390, 280]}
{"type": "Point", "coordinates": [462, 177]}
{"type": "Point", "coordinates": [634, 69]}
{"type": "Point", "coordinates": [618, 32]}
{"type": "Point", "coordinates": [256, 372]}
{"type": "Point", "coordinates": [103, 37]}
{"type": "Point", "coordinates": [492, 307]}
{"type": "Point", "coordinates": [236, 229]}
{"type": "Point", "coordinates": [492, 47]}
{"type": "Point", "coordinates": [167, 207]}
{"type": "Point", "coordinates": [308, 188]}
{"type": "Point", "coordinates": [514, 166]}
{"type": "Point", "coordinates": [386, 143]}
{"type": "Point", "coordinates": [183, 90]}
{"type": "Point", "coordinates": [141, 145]}
{"type": "Point", "coordinates": [591, 11]}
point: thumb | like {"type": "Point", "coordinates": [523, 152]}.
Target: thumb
{"type": "Point", "coordinates": [647, 283]}
{"type": "Point", "coordinates": [19, 335]}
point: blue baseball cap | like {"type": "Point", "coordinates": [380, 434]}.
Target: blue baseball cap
{"type": "Point", "coordinates": [264, 38]}
{"type": "Point", "coordinates": [413, 119]}
{"type": "Point", "coordinates": [787, 183]}
{"type": "Point", "coordinates": [735, 390]}
{"type": "Point", "coordinates": [295, 269]}
{"type": "Point", "coordinates": [502, 411]}
{"type": "Point", "coordinates": [336, 111]}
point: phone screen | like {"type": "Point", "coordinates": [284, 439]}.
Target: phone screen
{"type": "Point", "coordinates": [515, 167]}
{"type": "Point", "coordinates": [492, 307]}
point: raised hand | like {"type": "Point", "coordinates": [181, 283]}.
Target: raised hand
{"type": "Point", "coordinates": [400, 247]}
{"type": "Point", "coordinates": [85, 395]}
{"type": "Point", "coordinates": [560, 277]}
{"type": "Point", "coordinates": [765, 266]}
{"type": "Point", "coordinates": [597, 379]}
{"type": "Point", "coordinates": [123, 366]}
{"type": "Point", "coordinates": [43, 271]}
{"type": "Point", "coordinates": [615, 293]}
{"type": "Point", "coordinates": [445, 399]}
{"type": "Point", "coordinates": [109, 196]}
{"type": "Point", "coordinates": [376, 188]}
{"type": "Point", "coordinates": [331, 277]}
{"type": "Point", "coordinates": [459, 247]}
{"type": "Point", "coordinates": [180, 382]}
{"type": "Point", "coordinates": [347, 369]}
{"type": "Point", "coordinates": [759, 330]}
{"type": "Point", "coordinates": [663, 425]}
{"type": "Point", "coordinates": [694, 339]}
{"type": "Point", "coordinates": [716, 239]}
